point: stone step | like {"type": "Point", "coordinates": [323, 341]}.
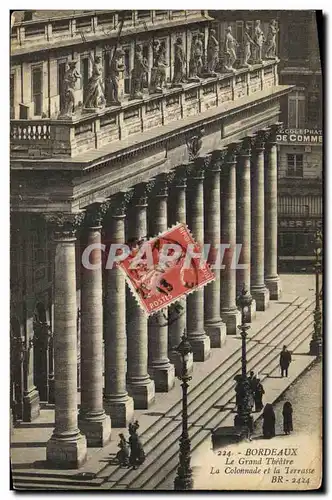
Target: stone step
{"type": "Point", "coordinates": [159, 436]}
{"type": "Point", "coordinates": [169, 468]}
{"type": "Point", "coordinates": [229, 369]}
{"type": "Point", "coordinates": [146, 478]}
{"type": "Point", "coordinates": [154, 433]}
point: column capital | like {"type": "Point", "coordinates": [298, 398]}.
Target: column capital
{"type": "Point", "coordinates": [95, 213]}
{"type": "Point", "coordinates": [196, 168]}
{"type": "Point", "coordinates": [180, 177]}
{"type": "Point", "coordinates": [217, 160]}
{"type": "Point", "coordinates": [260, 139]}
{"type": "Point", "coordinates": [141, 193]}
{"type": "Point", "coordinates": [119, 202]}
{"type": "Point", "coordinates": [161, 184]}
{"type": "Point", "coordinates": [246, 146]}
{"type": "Point", "coordinates": [64, 225]}
{"type": "Point", "coordinates": [232, 151]}
{"type": "Point", "coordinates": [274, 130]}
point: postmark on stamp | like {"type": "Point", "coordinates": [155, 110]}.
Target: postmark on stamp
{"type": "Point", "coordinates": [163, 269]}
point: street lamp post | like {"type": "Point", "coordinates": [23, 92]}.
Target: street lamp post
{"type": "Point", "coordinates": [316, 341]}
{"type": "Point", "coordinates": [243, 417]}
{"type": "Point", "coordinates": [184, 479]}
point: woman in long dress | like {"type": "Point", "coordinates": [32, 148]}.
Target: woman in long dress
{"type": "Point", "coordinates": [137, 455]}
{"type": "Point", "coordinates": [123, 454]}
{"type": "Point", "coordinates": [269, 422]}
{"type": "Point", "coordinates": [287, 413]}
{"type": "Point", "coordinates": [258, 395]}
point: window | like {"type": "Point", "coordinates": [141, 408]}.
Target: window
{"type": "Point", "coordinates": [12, 96]}
{"type": "Point", "coordinates": [37, 90]}
{"type": "Point", "coordinates": [85, 75]}
{"type": "Point", "coordinates": [127, 71]}
{"type": "Point", "coordinates": [295, 165]}
{"type": "Point", "coordinates": [296, 110]}
{"type": "Point", "coordinates": [61, 75]}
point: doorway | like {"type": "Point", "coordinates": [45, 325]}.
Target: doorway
{"type": "Point", "coordinates": [41, 343]}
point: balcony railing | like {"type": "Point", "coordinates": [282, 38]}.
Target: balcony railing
{"type": "Point", "coordinates": [68, 138]}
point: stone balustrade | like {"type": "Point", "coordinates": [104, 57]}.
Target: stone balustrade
{"type": "Point", "coordinates": [88, 131]}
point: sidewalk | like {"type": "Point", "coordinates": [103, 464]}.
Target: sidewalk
{"type": "Point", "coordinates": [29, 439]}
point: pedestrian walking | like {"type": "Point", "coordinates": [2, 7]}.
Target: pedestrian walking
{"type": "Point", "coordinates": [137, 455]}
{"type": "Point", "coordinates": [269, 422]}
{"type": "Point", "coordinates": [253, 380]}
{"type": "Point", "coordinates": [258, 395]}
{"type": "Point", "coordinates": [285, 361]}
{"type": "Point", "coordinates": [287, 413]}
{"type": "Point", "coordinates": [123, 454]}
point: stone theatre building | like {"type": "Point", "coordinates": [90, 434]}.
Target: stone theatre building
{"type": "Point", "coordinates": [123, 123]}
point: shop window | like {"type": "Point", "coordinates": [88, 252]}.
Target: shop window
{"type": "Point", "coordinates": [296, 110]}
{"type": "Point", "coordinates": [295, 165]}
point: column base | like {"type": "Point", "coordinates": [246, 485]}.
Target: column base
{"type": "Point", "coordinates": [31, 405]}
{"type": "Point", "coordinates": [177, 362]}
{"type": "Point", "coordinates": [201, 346]}
{"type": "Point", "coordinates": [232, 319]}
{"type": "Point", "coordinates": [262, 297]}
{"type": "Point", "coordinates": [163, 376]}
{"type": "Point", "coordinates": [121, 410]}
{"type": "Point", "coordinates": [143, 393]}
{"type": "Point", "coordinates": [274, 287]}
{"type": "Point", "coordinates": [67, 453]}
{"type": "Point", "coordinates": [97, 430]}
{"type": "Point", "coordinates": [216, 331]}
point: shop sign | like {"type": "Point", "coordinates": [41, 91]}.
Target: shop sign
{"type": "Point", "coordinates": [302, 136]}
{"type": "Point", "coordinates": [304, 223]}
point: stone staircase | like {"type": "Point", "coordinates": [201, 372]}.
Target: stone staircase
{"type": "Point", "coordinates": [211, 404]}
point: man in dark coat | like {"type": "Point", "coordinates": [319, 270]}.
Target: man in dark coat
{"type": "Point", "coordinates": [285, 361]}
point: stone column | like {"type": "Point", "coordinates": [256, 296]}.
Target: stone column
{"type": "Point", "coordinates": [118, 404]}
{"type": "Point", "coordinates": [67, 446]}
{"type": "Point", "coordinates": [243, 222]}
{"type": "Point", "coordinates": [93, 421]}
{"type": "Point", "coordinates": [272, 279]}
{"type": "Point", "coordinates": [160, 368]}
{"type": "Point", "coordinates": [258, 289]}
{"type": "Point", "coordinates": [177, 312]}
{"type": "Point", "coordinates": [198, 339]}
{"type": "Point", "coordinates": [214, 326]}
{"type": "Point", "coordinates": [140, 386]}
{"type": "Point", "coordinates": [229, 313]}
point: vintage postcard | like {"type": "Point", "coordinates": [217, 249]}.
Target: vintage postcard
{"type": "Point", "coordinates": [166, 252]}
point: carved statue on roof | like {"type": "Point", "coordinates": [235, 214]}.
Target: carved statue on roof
{"type": "Point", "coordinates": [116, 67]}
{"type": "Point", "coordinates": [158, 72]}
{"type": "Point", "coordinates": [179, 62]}
{"type": "Point", "coordinates": [95, 93]}
{"type": "Point", "coordinates": [212, 52]}
{"type": "Point", "coordinates": [259, 39]}
{"type": "Point", "coordinates": [138, 74]}
{"type": "Point", "coordinates": [271, 42]}
{"type": "Point", "coordinates": [248, 42]}
{"type": "Point", "coordinates": [230, 49]}
{"type": "Point", "coordinates": [71, 76]}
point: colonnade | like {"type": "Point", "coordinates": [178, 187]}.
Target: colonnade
{"type": "Point", "coordinates": [229, 197]}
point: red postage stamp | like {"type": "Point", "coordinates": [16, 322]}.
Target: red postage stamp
{"type": "Point", "coordinates": [165, 268]}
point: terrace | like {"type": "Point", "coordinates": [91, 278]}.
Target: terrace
{"type": "Point", "coordinates": [120, 125]}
